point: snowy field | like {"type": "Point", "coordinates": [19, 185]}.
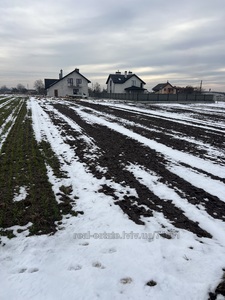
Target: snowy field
{"type": "Point", "coordinates": [150, 185]}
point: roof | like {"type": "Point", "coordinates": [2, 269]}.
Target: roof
{"type": "Point", "coordinates": [161, 86]}
{"type": "Point", "coordinates": [49, 82]}
{"type": "Point", "coordinates": [120, 79]}
{"type": "Point", "coordinates": [57, 80]}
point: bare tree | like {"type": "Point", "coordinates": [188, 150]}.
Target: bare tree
{"type": "Point", "coordinates": [39, 86]}
{"type": "Point", "coordinates": [4, 89]}
{"type": "Point", "coordinates": [97, 88]}
{"type": "Point", "coordinates": [21, 88]}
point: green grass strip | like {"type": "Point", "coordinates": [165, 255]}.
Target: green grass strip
{"type": "Point", "coordinates": [22, 164]}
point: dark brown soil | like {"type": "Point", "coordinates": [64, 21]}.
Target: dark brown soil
{"type": "Point", "coordinates": [115, 152]}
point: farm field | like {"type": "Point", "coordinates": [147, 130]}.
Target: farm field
{"type": "Point", "coordinates": [108, 200]}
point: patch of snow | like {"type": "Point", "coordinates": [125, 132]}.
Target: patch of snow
{"type": "Point", "coordinates": [168, 152]}
{"type": "Point", "coordinates": [81, 261]}
{"type": "Point", "coordinates": [21, 195]}
{"type": "Point", "coordinates": [212, 186]}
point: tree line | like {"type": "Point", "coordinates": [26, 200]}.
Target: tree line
{"type": "Point", "coordinates": [39, 89]}
{"type": "Point", "coordinates": [95, 91]}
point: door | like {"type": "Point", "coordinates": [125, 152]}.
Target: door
{"type": "Point", "coordinates": [56, 93]}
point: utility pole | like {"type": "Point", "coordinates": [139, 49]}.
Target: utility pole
{"type": "Point", "coordinates": [201, 87]}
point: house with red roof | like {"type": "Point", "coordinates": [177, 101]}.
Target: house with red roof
{"type": "Point", "coordinates": [164, 88]}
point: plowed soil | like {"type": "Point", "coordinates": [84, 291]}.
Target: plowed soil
{"type": "Point", "coordinates": [116, 151]}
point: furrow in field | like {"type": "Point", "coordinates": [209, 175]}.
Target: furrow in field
{"type": "Point", "coordinates": [174, 140]}
{"type": "Point", "coordinates": [127, 150]}
{"type": "Point", "coordinates": [198, 111]}
{"type": "Point", "coordinates": [5, 101]}
{"type": "Point", "coordinates": [7, 109]}
{"type": "Point", "coordinates": [213, 202]}
{"type": "Point", "coordinates": [8, 121]}
{"type": "Point", "coordinates": [191, 113]}
{"type": "Point", "coordinates": [197, 141]}
{"type": "Point", "coordinates": [182, 117]}
{"type": "Point", "coordinates": [166, 193]}
{"type": "Point", "coordinates": [173, 154]}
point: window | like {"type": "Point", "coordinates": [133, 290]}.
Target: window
{"type": "Point", "coordinates": [70, 81]}
{"type": "Point", "coordinates": [75, 91]}
{"type": "Point", "coordinates": [133, 82]}
{"type": "Point", "coordinates": [78, 81]}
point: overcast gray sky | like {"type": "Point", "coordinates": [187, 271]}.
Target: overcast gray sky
{"type": "Point", "coordinates": [179, 41]}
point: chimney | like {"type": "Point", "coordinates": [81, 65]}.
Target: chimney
{"type": "Point", "coordinates": [77, 70]}
{"type": "Point", "coordinates": [61, 74]}
{"type": "Point", "coordinates": [118, 72]}
{"type": "Point", "coordinates": [125, 74]}
{"type": "Point", "coordinates": [129, 72]}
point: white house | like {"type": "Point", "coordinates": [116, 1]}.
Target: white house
{"type": "Point", "coordinates": [73, 84]}
{"type": "Point", "coordinates": [124, 83]}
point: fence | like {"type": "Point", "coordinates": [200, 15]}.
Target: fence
{"type": "Point", "coordinates": [158, 97]}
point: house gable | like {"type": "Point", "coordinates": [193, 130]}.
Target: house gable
{"type": "Point", "coordinates": [74, 71]}
{"type": "Point", "coordinates": [164, 88]}
{"type": "Point", "coordinates": [123, 83]}
{"type": "Point", "coordinates": [73, 84]}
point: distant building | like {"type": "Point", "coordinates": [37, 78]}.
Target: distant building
{"type": "Point", "coordinates": [31, 92]}
{"type": "Point", "coordinates": [164, 88]}
{"type": "Point", "coordinates": [73, 84]}
{"type": "Point", "coordinates": [185, 90]}
{"type": "Point", "coordinates": [124, 83]}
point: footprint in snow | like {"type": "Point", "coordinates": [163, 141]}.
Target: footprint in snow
{"type": "Point", "coordinates": [97, 265]}
{"type": "Point", "coordinates": [33, 270]}
{"type": "Point", "coordinates": [22, 270]}
{"type": "Point", "coordinates": [75, 267]}
{"type": "Point", "coordinates": [110, 250]}
{"type": "Point", "coordinates": [126, 280]}
{"type": "Point", "coordinates": [30, 270]}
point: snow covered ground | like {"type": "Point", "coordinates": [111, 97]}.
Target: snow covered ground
{"type": "Point", "coordinates": [102, 254]}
